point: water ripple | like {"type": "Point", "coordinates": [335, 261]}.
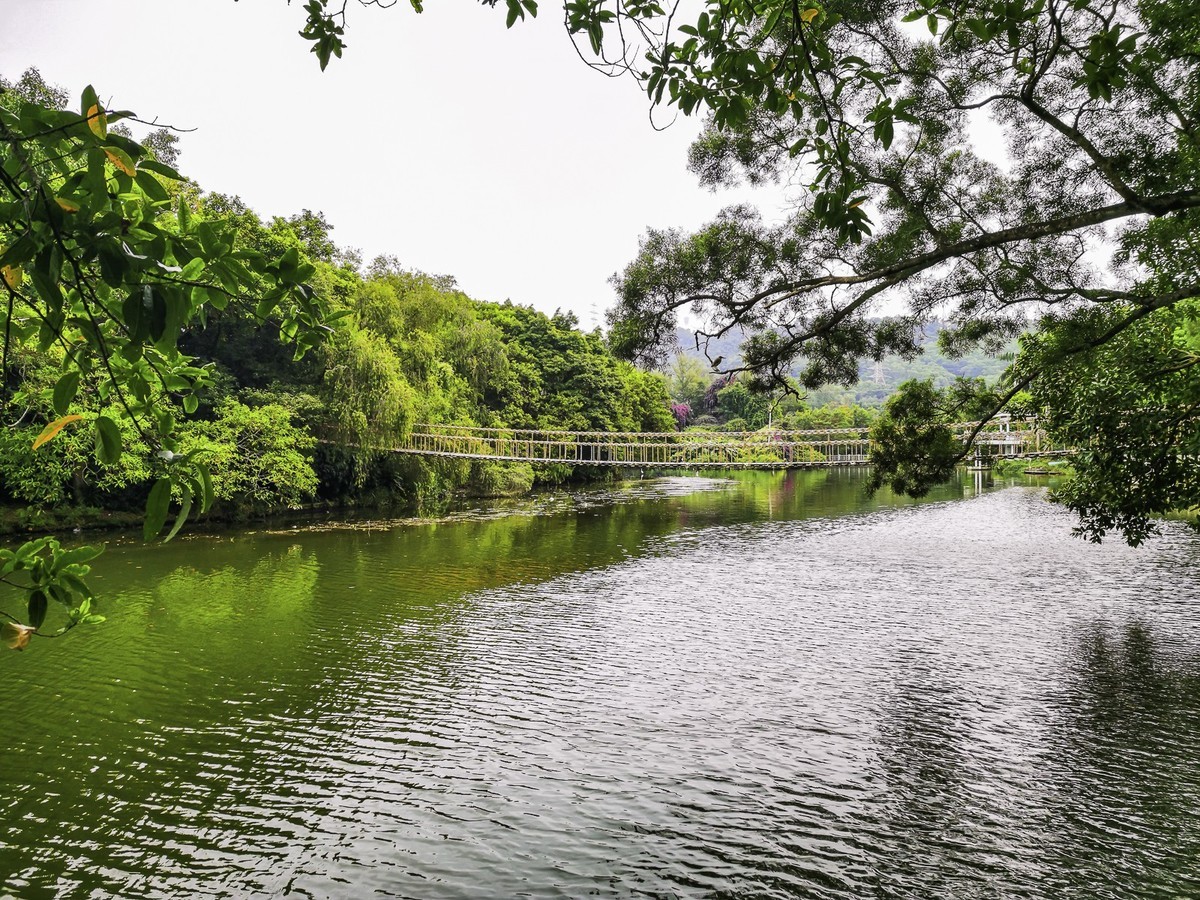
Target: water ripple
{"type": "Point", "coordinates": [650, 699]}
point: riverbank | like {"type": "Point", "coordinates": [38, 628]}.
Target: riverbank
{"type": "Point", "coordinates": [1045, 466]}
{"type": "Point", "coordinates": [29, 521]}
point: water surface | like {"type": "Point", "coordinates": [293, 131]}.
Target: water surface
{"type": "Point", "coordinates": [765, 685]}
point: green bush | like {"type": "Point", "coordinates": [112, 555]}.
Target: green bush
{"type": "Point", "coordinates": [256, 455]}
{"type": "Point", "coordinates": [489, 479]}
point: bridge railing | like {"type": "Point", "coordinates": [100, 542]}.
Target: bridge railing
{"type": "Point", "coordinates": [767, 448]}
{"type": "Point", "coordinates": [757, 448]}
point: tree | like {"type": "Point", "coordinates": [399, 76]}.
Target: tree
{"type": "Point", "coordinates": [1097, 106]}
{"type": "Point", "coordinates": [103, 265]}
{"type": "Point", "coordinates": [1133, 407]}
{"type": "Point", "coordinates": [689, 381]}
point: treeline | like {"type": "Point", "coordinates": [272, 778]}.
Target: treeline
{"type": "Point", "coordinates": [278, 431]}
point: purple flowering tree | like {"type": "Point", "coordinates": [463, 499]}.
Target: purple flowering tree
{"type": "Point", "coordinates": [682, 413]}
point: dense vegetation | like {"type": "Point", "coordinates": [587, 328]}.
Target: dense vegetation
{"type": "Point", "coordinates": [165, 348]}
{"type": "Point", "coordinates": [277, 431]}
{"type": "Point", "coordinates": [1080, 231]}
{"type": "Point", "coordinates": [702, 399]}
{"type": "Point", "coordinates": [876, 379]}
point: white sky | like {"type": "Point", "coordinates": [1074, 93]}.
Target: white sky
{"type": "Point", "coordinates": [464, 149]}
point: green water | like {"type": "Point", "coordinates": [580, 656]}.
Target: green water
{"type": "Point", "coordinates": [765, 685]}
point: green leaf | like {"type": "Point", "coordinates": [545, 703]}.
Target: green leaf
{"type": "Point", "coordinates": [79, 555]}
{"type": "Point", "coordinates": [157, 320]}
{"type": "Point", "coordinates": [152, 165]}
{"type": "Point", "coordinates": [37, 608]}
{"type": "Point", "coordinates": [207, 498]}
{"type": "Point", "coordinates": [184, 509]}
{"type": "Point", "coordinates": [59, 593]}
{"type": "Point", "coordinates": [176, 312]}
{"type": "Point", "coordinates": [133, 310]}
{"type": "Point", "coordinates": [289, 261]}
{"type": "Point", "coordinates": [151, 185]}
{"type": "Point", "coordinates": [65, 391]}
{"type": "Point", "coordinates": [193, 269]}
{"type": "Point", "coordinates": [108, 440]}
{"type": "Point", "coordinates": [88, 100]}
{"type": "Point", "coordinates": [75, 584]}
{"type": "Point", "coordinates": [156, 508]}
{"type": "Point", "coordinates": [979, 28]}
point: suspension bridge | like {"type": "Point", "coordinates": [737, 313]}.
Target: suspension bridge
{"type": "Point", "coordinates": [764, 449]}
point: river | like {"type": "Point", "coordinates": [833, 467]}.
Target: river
{"type": "Point", "coordinates": [760, 686]}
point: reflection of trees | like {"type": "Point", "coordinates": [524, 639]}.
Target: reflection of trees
{"type": "Point", "coordinates": [788, 495]}
{"type": "Point", "coordinates": [923, 824]}
{"type": "Point", "coordinates": [1123, 788]}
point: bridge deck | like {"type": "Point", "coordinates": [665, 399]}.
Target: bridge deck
{"type": "Point", "coordinates": [688, 449]}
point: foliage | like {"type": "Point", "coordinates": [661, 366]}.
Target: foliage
{"type": "Point", "coordinates": [1004, 466]}
{"type": "Point", "coordinates": [873, 110]}
{"type": "Point", "coordinates": [255, 454]}
{"type": "Point", "coordinates": [737, 400]}
{"type": "Point", "coordinates": [688, 381]}
{"type": "Point", "coordinates": [489, 479]}
{"type": "Point", "coordinates": [1098, 113]}
{"type": "Point", "coordinates": [43, 571]}
{"type": "Point", "coordinates": [103, 264]}
{"type": "Point", "coordinates": [830, 417]}
{"type": "Point", "coordinates": [912, 447]}
{"type": "Point", "coordinates": [560, 377]}
{"type": "Point", "coordinates": [1097, 108]}
{"type": "Point", "coordinates": [1132, 406]}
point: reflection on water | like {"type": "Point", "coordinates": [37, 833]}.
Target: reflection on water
{"type": "Point", "coordinates": [767, 685]}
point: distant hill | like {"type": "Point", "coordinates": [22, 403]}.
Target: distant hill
{"type": "Point", "coordinates": [876, 381]}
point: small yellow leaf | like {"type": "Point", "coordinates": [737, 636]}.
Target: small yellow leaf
{"type": "Point", "coordinates": [97, 122]}
{"type": "Point", "coordinates": [121, 160]}
{"type": "Point", "coordinates": [857, 205]}
{"type": "Point", "coordinates": [50, 432]}
{"type": "Point", "coordinates": [12, 276]}
{"type": "Point", "coordinates": [66, 204]}
{"type": "Point", "coordinates": [808, 15]}
{"type": "Point", "coordinates": [15, 636]}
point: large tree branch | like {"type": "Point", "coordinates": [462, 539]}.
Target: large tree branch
{"type": "Point", "coordinates": [896, 272]}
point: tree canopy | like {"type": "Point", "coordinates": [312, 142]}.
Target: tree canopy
{"type": "Point", "coordinates": [1076, 223]}
{"type": "Point", "coordinates": [102, 267]}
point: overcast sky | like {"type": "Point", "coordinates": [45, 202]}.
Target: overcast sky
{"type": "Point", "coordinates": [464, 149]}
